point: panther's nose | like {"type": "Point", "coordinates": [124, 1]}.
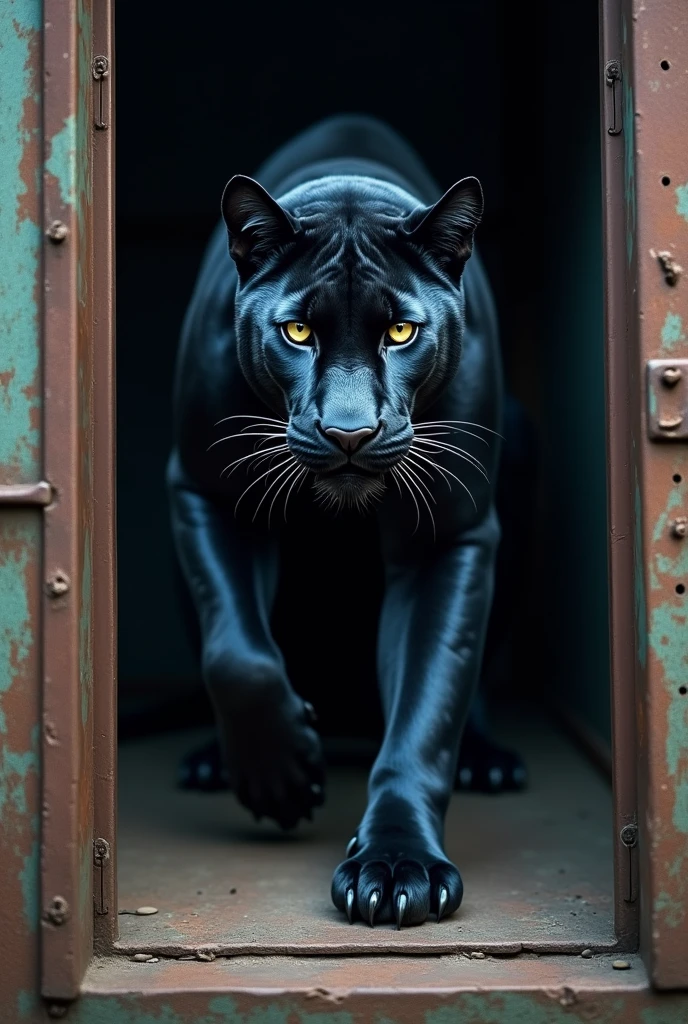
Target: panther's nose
{"type": "Point", "coordinates": [350, 440]}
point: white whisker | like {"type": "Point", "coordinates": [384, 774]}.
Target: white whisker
{"type": "Point", "coordinates": [279, 476]}
{"type": "Point", "coordinates": [253, 455]}
{"type": "Point", "coordinates": [458, 479]}
{"type": "Point", "coordinates": [415, 480]}
{"type": "Point", "coordinates": [258, 479]}
{"type": "Point", "coordinates": [462, 454]}
{"type": "Point", "coordinates": [300, 476]}
{"type": "Point", "coordinates": [403, 479]}
{"type": "Point", "coordinates": [445, 472]}
{"type": "Point", "coordinates": [290, 476]}
{"type": "Point", "coordinates": [245, 416]}
{"type": "Point", "coordinates": [230, 437]}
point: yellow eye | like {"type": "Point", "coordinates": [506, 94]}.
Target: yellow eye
{"type": "Point", "coordinates": [297, 332]}
{"type": "Point", "coordinates": [399, 333]}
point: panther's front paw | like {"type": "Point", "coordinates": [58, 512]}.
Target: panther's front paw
{"type": "Point", "coordinates": [273, 761]}
{"type": "Point", "coordinates": [396, 880]}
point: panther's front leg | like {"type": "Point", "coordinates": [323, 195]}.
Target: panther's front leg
{"type": "Point", "coordinates": [272, 752]}
{"type": "Point", "coordinates": [430, 647]}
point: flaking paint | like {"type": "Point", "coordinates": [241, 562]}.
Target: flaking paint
{"type": "Point", "coordinates": [21, 241]}
{"type": "Point", "coordinates": [672, 332]}
{"type": "Point", "coordinates": [510, 1007]}
{"type": "Point", "coordinates": [682, 201]}
{"type": "Point", "coordinates": [668, 630]}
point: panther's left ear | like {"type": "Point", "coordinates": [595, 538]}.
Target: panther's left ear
{"type": "Point", "coordinates": [446, 229]}
{"type": "Point", "coordinates": [256, 223]}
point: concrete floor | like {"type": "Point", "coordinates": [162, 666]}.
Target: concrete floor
{"type": "Point", "coordinates": [537, 866]}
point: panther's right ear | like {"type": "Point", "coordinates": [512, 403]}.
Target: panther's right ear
{"type": "Point", "coordinates": [256, 223]}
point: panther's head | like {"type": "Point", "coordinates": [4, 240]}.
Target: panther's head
{"type": "Point", "coordinates": [349, 315]}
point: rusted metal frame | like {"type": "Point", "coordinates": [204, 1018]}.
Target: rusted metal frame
{"type": "Point", "coordinates": [104, 518]}
{"type": "Point", "coordinates": [657, 39]}
{"type": "Point", "coordinates": [546, 990]}
{"type": "Point", "coordinates": [618, 325]}
{"type": "Point", "coordinates": [67, 734]}
{"type": "Point", "coordinates": [22, 495]}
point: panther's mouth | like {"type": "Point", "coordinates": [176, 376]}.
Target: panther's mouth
{"type": "Point", "coordinates": [350, 486]}
{"type": "Point", "coordinates": [349, 469]}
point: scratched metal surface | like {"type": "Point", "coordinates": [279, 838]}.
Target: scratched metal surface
{"type": "Point", "coordinates": [67, 706]}
{"type": "Point", "coordinates": [537, 866]}
{"type": "Point", "coordinates": [20, 528]}
{"type": "Point", "coordinates": [656, 130]}
{"type": "Point", "coordinates": [376, 990]}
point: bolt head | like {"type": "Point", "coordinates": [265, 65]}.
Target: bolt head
{"type": "Point", "coordinates": [57, 232]}
{"type": "Point", "coordinates": [679, 527]}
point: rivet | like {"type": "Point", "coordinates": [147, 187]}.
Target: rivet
{"type": "Point", "coordinates": [58, 584]}
{"type": "Point", "coordinates": [58, 910]}
{"type": "Point", "coordinates": [679, 527]}
{"type": "Point", "coordinates": [57, 232]}
{"type": "Point", "coordinates": [671, 376]}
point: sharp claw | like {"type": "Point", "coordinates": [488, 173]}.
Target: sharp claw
{"type": "Point", "coordinates": [372, 906]}
{"type": "Point", "coordinates": [350, 905]}
{"type": "Point", "coordinates": [442, 902]}
{"type": "Point", "coordinates": [351, 845]}
{"type": "Point", "coordinates": [402, 901]}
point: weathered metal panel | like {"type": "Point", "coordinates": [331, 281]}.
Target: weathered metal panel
{"type": "Point", "coordinates": [20, 529]}
{"type": "Point", "coordinates": [377, 990]}
{"type": "Point", "coordinates": [20, 231]}
{"type": "Point", "coordinates": [656, 123]}
{"type": "Point", "coordinates": [67, 860]}
{"type": "Point", "coordinates": [619, 327]}
{"type": "Point", "coordinates": [104, 496]}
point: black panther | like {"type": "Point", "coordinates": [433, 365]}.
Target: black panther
{"type": "Point", "coordinates": [345, 358]}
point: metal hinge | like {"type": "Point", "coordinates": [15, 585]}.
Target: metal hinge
{"type": "Point", "coordinates": [612, 77]}
{"type": "Point", "coordinates": [667, 399]}
{"type": "Point", "coordinates": [101, 856]}
{"type": "Point", "coordinates": [100, 66]}
{"type": "Point", "coordinates": [629, 837]}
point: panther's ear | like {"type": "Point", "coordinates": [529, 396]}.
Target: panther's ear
{"type": "Point", "coordinates": [256, 223]}
{"type": "Point", "coordinates": [446, 229]}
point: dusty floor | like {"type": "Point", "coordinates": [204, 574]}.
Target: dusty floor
{"type": "Point", "coordinates": [537, 866]}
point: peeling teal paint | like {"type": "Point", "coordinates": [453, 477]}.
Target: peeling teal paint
{"type": "Point", "coordinates": [16, 638]}
{"type": "Point", "coordinates": [672, 331]}
{"type": "Point", "coordinates": [668, 631]}
{"type": "Point", "coordinates": [62, 160]}
{"type": "Point", "coordinates": [20, 249]}
{"type": "Point", "coordinates": [682, 201]}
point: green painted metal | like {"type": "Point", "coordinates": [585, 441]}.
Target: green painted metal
{"type": "Point", "coordinates": [20, 232]}
{"type": "Point", "coordinates": [511, 1007]}
{"type": "Point", "coordinates": [20, 530]}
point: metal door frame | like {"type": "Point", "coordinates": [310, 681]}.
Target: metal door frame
{"type": "Point", "coordinates": [79, 733]}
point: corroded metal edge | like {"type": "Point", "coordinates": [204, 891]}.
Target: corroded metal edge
{"type": "Point", "coordinates": [20, 527]}
{"type": "Point", "coordinates": [67, 742]}
{"type": "Point", "coordinates": [446, 990]}
{"type": "Point", "coordinates": [658, 108]}
{"type": "Point", "coordinates": [40, 493]}
{"type": "Point", "coordinates": [618, 314]}
{"type": "Point", "coordinates": [104, 491]}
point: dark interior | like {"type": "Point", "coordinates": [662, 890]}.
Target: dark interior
{"type": "Point", "coordinates": [507, 92]}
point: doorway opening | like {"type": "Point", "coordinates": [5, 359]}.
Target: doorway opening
{"type": "Point", "coordinates": [537, 865]}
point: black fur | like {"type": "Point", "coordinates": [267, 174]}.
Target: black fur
{"type": "Point", "coordinates": [356, 239]}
